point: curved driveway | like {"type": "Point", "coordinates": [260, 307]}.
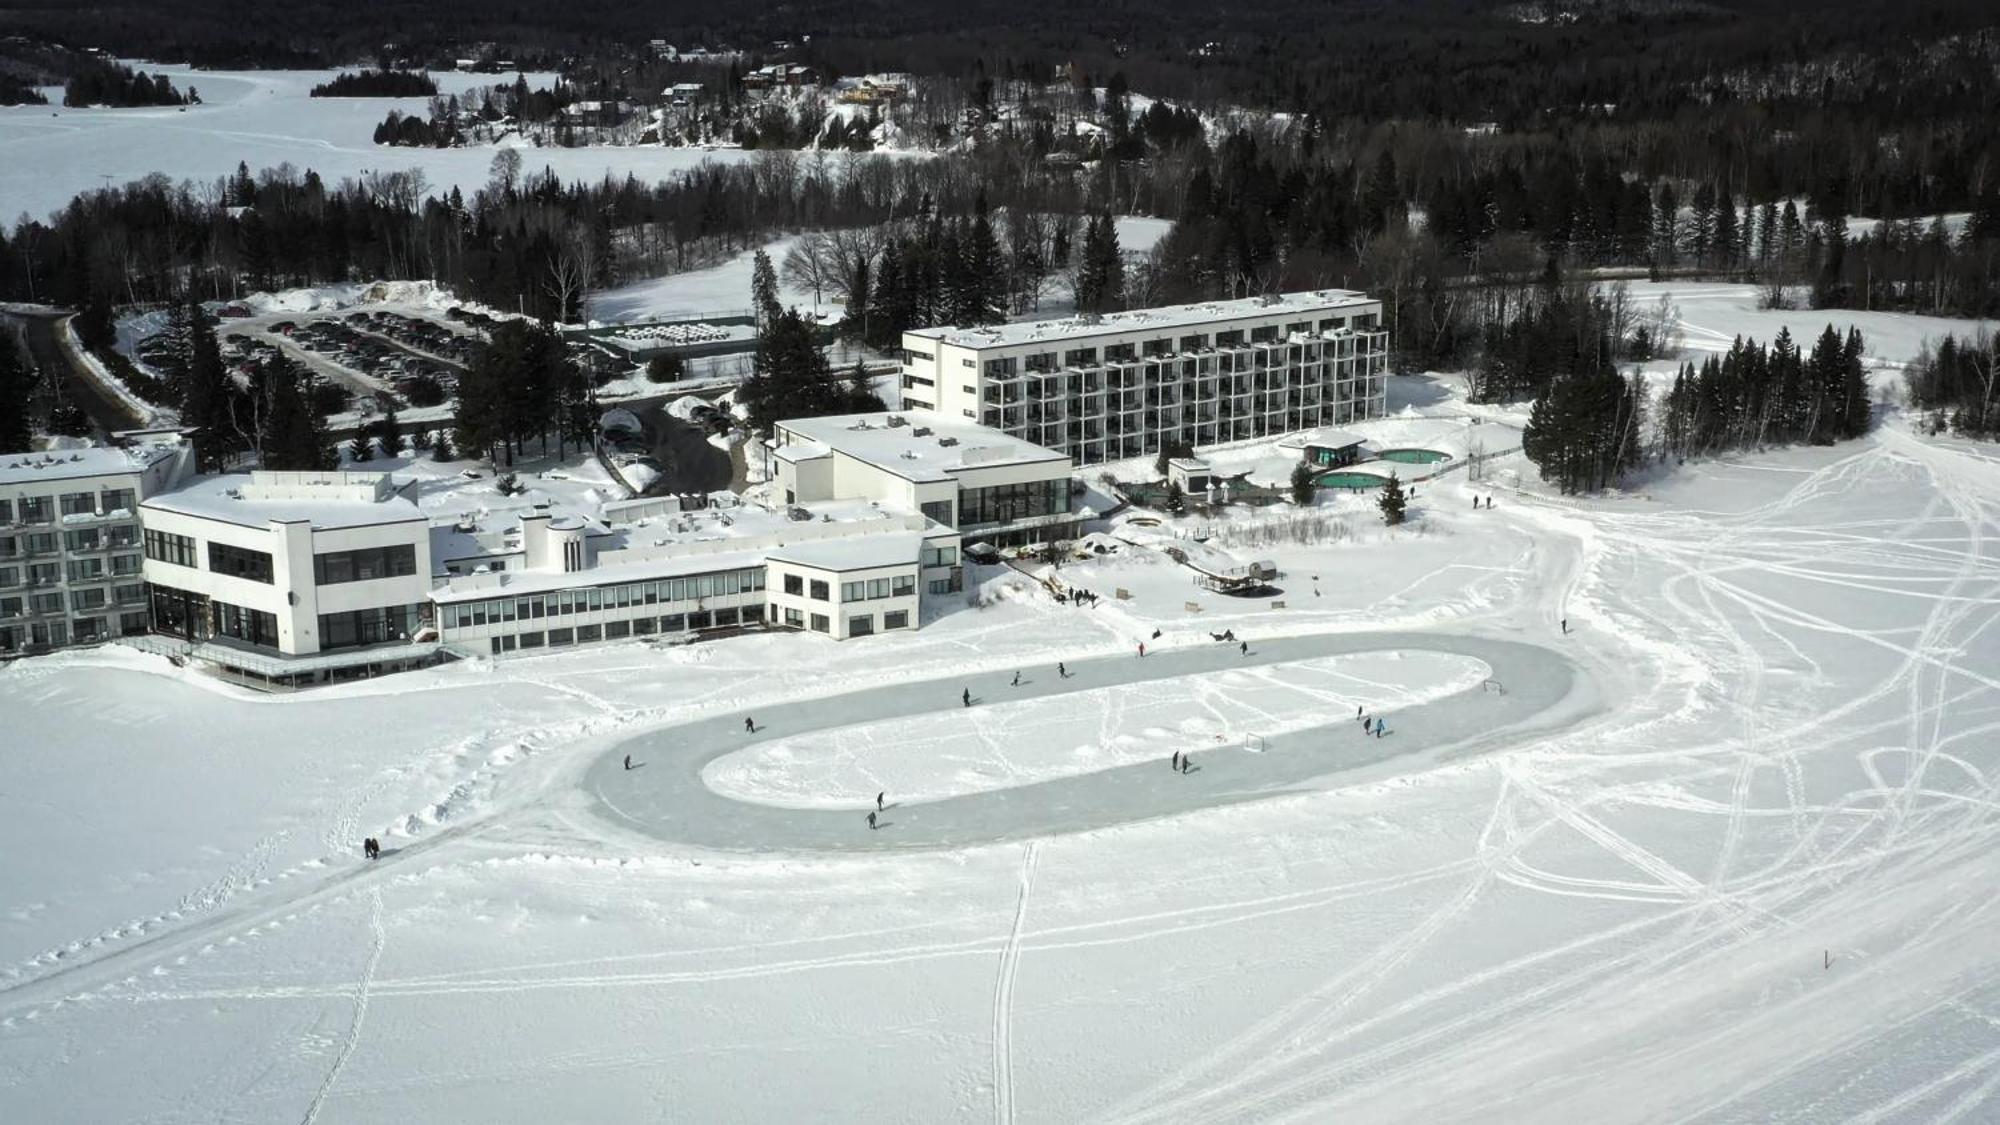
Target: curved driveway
{"type": "Point", "coordinates": [1542, 692]}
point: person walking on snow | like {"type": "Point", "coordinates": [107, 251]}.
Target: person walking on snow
{"type": "Point", "coordinates": [1243, 649]}
{"type": "Point", "coordinates": [1175, 761]}
{"type": "Point", "coordinates": [1565, 626]}
{"type": "Point", "coordinates": [1357, 710]}
{"type": "Point", "coordinates": [965, 697]}
{"type": "Point", "coordinates": [1186, 761]}
{"type": "Point", "coordinates": [749, 725]}
{"type": "Point", "coordinates": [878, 800]}
{"type": "Point", "coordinates": [628, 761]}
{"type": "Point", "coordinates": [1142, 648]}
{"type": "Point", "coordinates": [871, 822]}
{"type": "Point", "coordinates": [1062, 671]}
{"type": "Point", "coordinates": [1017, 679]}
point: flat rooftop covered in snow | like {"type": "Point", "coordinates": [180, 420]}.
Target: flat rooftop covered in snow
{"type": "Point", "coordinates": [230, 498]}
{"type": "Point", "coordinates": [66, 464]}
{"type": "Point", "coordinates": [1147, 320]}
{"type": "Point", "coordinates": [860, 552]}
{"type": "Point", "coordinates": [920, 446]}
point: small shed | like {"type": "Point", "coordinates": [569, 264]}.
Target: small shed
{"type": "Point", "coordinates": [1332, 449]}
{"type": "Point", "coordinates": [1192, 474]}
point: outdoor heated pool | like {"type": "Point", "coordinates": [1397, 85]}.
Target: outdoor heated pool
{"type": "Point", "coordinates": [1414, 456]}
{"type": "Point", "coordinates": [1350, 480]}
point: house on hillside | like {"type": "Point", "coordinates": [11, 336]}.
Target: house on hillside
{"type": "Point", "coordinates": [781, 76]}
{"type": "Point", "coordinates": [600, 114]}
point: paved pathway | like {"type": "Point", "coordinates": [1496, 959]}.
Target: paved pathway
{"type": "Point", "coordinates": [666, 798]}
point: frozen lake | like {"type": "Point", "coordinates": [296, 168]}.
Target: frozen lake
{"type": "Point", "coordinates": [264, 118]}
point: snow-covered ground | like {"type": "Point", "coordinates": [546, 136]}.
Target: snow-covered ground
{"type": "Point", "coordinates": [265, 118]}
{"type": "Point", "coordinates": [1756, 884]}
{"type": "Point", "coordinates": [726, 287]}
{"type": "Point", "coordinates": [1012, 744]}
{"type": "Point", "coordinates": [1712, 314]}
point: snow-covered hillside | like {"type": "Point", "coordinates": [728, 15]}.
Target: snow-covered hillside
{"type": "Point", "coordinates": [1742, 872]}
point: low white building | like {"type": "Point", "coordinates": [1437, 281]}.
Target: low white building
{"type": "Point", "coordinates": [864, 540]}
{"type": "Point", "coordinates": [71, 571]}
{"type": "Point", "coordinates": [987, 485]}
{"type": "Point", "coordinates": [288, 565]}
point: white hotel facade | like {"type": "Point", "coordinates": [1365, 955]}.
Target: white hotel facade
{"type": "Point", "coordinates": [292, 578]}
{"type": "Point", "coordinates": [1122, 385]}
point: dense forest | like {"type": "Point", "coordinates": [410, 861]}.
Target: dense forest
{"type": "Point", "coordinates": [105, 83]}
{"type": "Point", "coordinates": [377, 84]}
{"type": "Point", "coordinates": [1953, 384]}
{"type": "Point", "coordinates": [15, 90]}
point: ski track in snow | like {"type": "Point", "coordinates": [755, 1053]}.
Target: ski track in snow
{"type": "Point", "coordinates": [1003, 996]}
{"type": "Point", "coordinates": [1859, 817]}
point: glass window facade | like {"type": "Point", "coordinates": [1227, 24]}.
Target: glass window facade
{"type": "Point", "coordinates": [166, 547]}
{"type": "Point", "coordinates": [1005, 503]}
{"type": "Point", "coordinates": [364, 565]}
{"type": "Point", "coordinates": [369, 626]}
{"type": "Point", "coordinates": [239, 562]}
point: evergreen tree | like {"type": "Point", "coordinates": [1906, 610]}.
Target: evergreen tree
{"type": "Point", "coordinates": [1855, 414]}
{"type": "Point", "coordinates": [17, 389]}
{"type": "Point", "coordinates": [291, 438]}
{"type": "Point", "coordinates": [1176, 501]}
{"type": "Point", "coordinates": [360, 449]}
{"type": "Point", "coordinates": [1826, 377]}
{"type": "Point", "coordinates": [789, 377]}
{"type": "Point", "coordinates": [66, 418]}
{"type": "Point", "coordinates": [985, 270]}
{"type": "Point", "coordinates": [207, 394]}
{"type": "Point", "coordinates": [1585, 430]}
{"type": "Point", "coordinates": [764, 290]}
{"type": "Point", "coordinates": [441, 449]}
{"type": "Point", "coordinates": [389, 434]}
{"type": "Point", "coordinates": [1392, 503]}
{"type": "Point", "coordinates": [1100, 278]}
{"type": "Point", "coordinates": [667, 368]}
{"type": "Point", "coordinates": [861, 396]}
{"type": "Point", "coordinates": [1304, 488]}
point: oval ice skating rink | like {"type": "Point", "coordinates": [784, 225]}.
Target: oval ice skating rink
{"type": "Point", "coordinates": [666, 796]}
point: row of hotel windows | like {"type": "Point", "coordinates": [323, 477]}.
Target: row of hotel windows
{"type": "Point", "coordinates": [858, 625]}
{"type": "Point", "coordinates": [42, 509]}
{"type": "Point", "coordinates": [83, 630]}
{"type": "Point", "coordinates": [596, 599]}
{"type": "Point", "coordinates": [195, 617]}
{"type": "Point", "coordinates": [76, 541]}
{"type": "Point", "coordinates": [618, 630]}
{"type": "Point", "coordinates": [78, 570]}
{"type": "Point", "coordinates": [331, 568]}
{"type": "Point", "coordinates": [897, 586]}
{"type": "Point", "coordinates": [1113, 353]}
{"type": "Point", "coordinates": [76, 601]}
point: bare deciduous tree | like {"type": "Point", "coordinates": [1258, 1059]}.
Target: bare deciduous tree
{"type": "Point", "coordinates": [810, 264]}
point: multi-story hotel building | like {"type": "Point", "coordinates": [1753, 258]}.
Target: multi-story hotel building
{"type": "Point", "coordinates": [1121, 385]}
{"type": "Point", "coordinates": [71, 562]}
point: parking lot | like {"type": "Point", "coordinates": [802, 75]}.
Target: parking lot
{"type": "Point", "coordinates": [381, 358]}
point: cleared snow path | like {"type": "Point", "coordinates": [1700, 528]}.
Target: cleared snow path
{"type": "Point", "coordinates": [665, 796]}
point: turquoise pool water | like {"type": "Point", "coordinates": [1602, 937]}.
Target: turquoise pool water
{"type": "Point", "coordinates": [1414, 456]}
{"type": "Point", "coordinates": [1350, 480]}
